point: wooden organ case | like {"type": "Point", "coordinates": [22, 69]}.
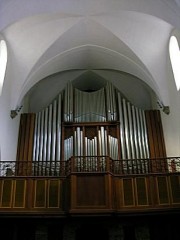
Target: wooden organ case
{"type": "Point", "coordinates": [93, 144]}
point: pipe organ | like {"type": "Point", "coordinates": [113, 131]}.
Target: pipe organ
{"type": "Point", "coordinates": [91, 126]}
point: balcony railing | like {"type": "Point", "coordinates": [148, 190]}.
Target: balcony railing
{"type": "Point", "coordinates": [89, 185]}
{"type": "Point", "coordinates": [100, 164]}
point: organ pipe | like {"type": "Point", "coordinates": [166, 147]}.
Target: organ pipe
{"type": "Point", "coordinates": [49, 133]}
{"type": "Point", "coordinates": [139, 132]}
{"type": "Point", "coordinates": [126, 129]}
{"type": "Point", "coordinates": [131, 130]}
{"type": "Point", "coordinates": [142, 134]}
{"type": "Point", "coordinates": [137, 155]}
{"type": "Point", "coordinates": [35, 138]}
{"type": "Point", "coordinates": [89, 107]}
{"type": "Point", "coordinates": [145, 135]}
{"type": "Point", "coordinates": [99, 106]}
{"type": "Point", "coordinates": [58, 133]}
{"type": "Point", "coordinates": [38, 136]}
{"type": "Point", "coordinates": [54, 130]}
{"type": "Point", "coordinates": [122, 134]}
{"type": "Point", "coordinates": [45, 134]}
{"type": "Point", "coordinates": [110, 102]}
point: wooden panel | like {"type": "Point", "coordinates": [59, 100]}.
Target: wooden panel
{"type": "Point", "coordinates": [160, 134]}
{"type": "Point", "coordinates": [25, 142]}
{"type": "Point", "coordinates": [118, 193]}
{"type": "Point", "coordinates": [150, 134]}
{"type": "Point", "coordinates": [141, 191]}
{"type": "Point", "coordinates": [54, 194]}
{"type": "Point", "coordinates": [175, 188]}
{"type": "Point", "coordinates": [156, 140]}
{"type": "Point", "coordinates": [91, 191]}
{"type": "Point", "coordinates": [155, 134]}
{"type": "Point", "coordinates": [162, 187]}
{"type": "Point", "coordinates": [40, 193]}
{"type": "Point", "coordinates": [19, 193]}
{"type": "Point", "coordinates": [21, 138]}
{"type": "Point", "coordinates": [128, 192]}
{"type": "Point", "coordinates": [7, 191]}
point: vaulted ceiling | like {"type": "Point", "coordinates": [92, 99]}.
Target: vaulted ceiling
{"type": "Point", "coordinates": [52, 42]}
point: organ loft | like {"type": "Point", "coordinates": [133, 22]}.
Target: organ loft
{"type": "Point", "coordinates": [90, 153]}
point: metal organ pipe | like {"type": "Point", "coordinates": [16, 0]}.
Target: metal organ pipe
{"type": "Point", "coordinates": [142, 134]}
{"type": "Point", "coordinates": [96, 106]}
{"type": "Point", "coordinates": [122, 134]}
{"type": "Point", "coordinates": [41, 137]}
{"type": "Point", "coordinates": [45, 134]}
{"type": "Point", "coordinates": [110, 102]}
{"type": "Point", "coordinates": [102, 141]}
{"type": "Point", "coordinates": [58, 143]}
{"type": "Point", "coordinates": [38, 136]}
{"type": "Point", "coordinates": [54, 131]}
{"type": "Point", "coordinates": [35, 138]}
{"type": "Point", "coordinates": [145, 135]}
{"type": "Point", "coordinates": [131, 130]}
{"type": "Point", "coordinates": [68, 103]}
{"type": "Point", "coordinates": [135, 132]}
{"type": "Point", "coordinates": [49, 133]}
{"type": "Point", "coordinates": [89, 107]}
{"type": "Point", "coordinates": [126, 129]}
{"type": "Point", "coordinates": [139, 132]}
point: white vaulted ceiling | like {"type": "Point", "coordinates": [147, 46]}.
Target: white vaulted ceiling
{"type": "Point", "coordinates": [51, 42]}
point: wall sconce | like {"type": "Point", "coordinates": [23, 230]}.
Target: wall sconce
{"type": "Point", "coordinates": [165, 109]}
{"type": "Point", "coordinates": [15, 112]}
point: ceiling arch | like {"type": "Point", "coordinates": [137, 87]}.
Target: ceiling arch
{"type": "Point", "coordinates": [129, 36]}
{"type": "Point", "coordinates": [38, 99]}
{"type": "Point", "coordinates": [99, 58]}
{"type": "Point", "coordinates": [100, 48]}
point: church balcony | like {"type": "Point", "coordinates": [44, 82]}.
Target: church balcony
{"type": "Point", "coordinates": [90, 186]}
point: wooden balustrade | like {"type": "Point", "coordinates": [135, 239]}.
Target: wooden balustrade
{"type": "Point", "coordinates": [92, 192]}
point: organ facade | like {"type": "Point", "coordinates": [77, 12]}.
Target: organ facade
{"type": "Point", "coordinates": [90, 153]}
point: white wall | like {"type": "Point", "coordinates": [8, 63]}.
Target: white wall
{"type": "Point", "coordinates": [8, 127]}
{"type": "Point", "coordinates": [171, 122]}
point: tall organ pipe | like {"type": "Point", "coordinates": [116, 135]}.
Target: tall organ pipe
{"type": "Point", "coordinates": [145, 135]}
{"type": "Point", "coordinates": [110, 102]}
{"type": "Point", "coordinates": [49, 133]}
{"type": "Point", "coordinates": [68, 103]}
{"type": "Point", "coordinates": [54, 130]}
{"type": "Point", "coordinates": [139, 132]}
{"type": "Point", "coordinates": [41, 136]}
{"type": "Point", "coordinates": [142, 134]}
{"type": "Point", "coordinates": [126, 129]}
{"type": "Point", "coordinates": [131, 130]}
{"type": "Point", "coordinates": [35, 138]}
{"type": "Point", "coordinates": [135, 132]}
{"type": "Point", "coordinates": [121, 127]}
{"type": "Point", "coordinates": [58, 143]}
{"type": "Point", "coordinates": [45, 134]}
{"type": "Point", "coordinates": [102, 141]}
{"type": "Point", "coordinates": [38, 136]}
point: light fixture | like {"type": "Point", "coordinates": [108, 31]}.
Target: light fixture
{"type": "Point", "coordinates": [165, 109]}
{"type": "Point", "coordinates": [15, 112]}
